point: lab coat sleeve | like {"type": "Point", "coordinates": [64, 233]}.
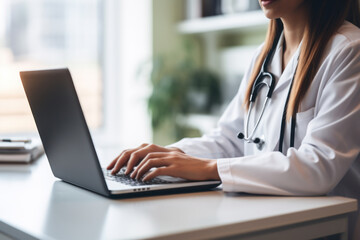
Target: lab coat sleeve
{"type": "Point", "coordinates": [329, 148]}
{"type": "Point", "coordinates": [222, 142]}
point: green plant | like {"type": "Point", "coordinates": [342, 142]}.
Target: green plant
{"type": "Point", "coordinates": [180, 88]}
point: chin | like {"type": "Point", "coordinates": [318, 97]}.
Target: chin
{"type": "Point", "coordinates": [270, 14]}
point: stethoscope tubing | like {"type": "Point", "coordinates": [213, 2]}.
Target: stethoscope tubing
{"type": "Point", "coordinates": [248, 138]}
{"type": "Point", "coordinates": [258, 84]}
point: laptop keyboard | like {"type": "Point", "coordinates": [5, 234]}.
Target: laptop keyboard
{"type": "Point", "coordinates": [125, 179]}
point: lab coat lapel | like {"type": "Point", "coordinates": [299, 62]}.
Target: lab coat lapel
{"type": "Point", "coordinates": [270, 125]}
{"type": "Point", "coordinates": [287, 75]}
{"type": "Point", "coordinates": [274, 113]}
{"type": "Point", "coordinates": [277, 103]}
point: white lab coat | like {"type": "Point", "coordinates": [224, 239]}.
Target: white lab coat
{"type": "Point", "coordinates": [326, 156]}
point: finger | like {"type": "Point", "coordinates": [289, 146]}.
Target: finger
{"type": "Point", "coordinates": [120, 161]}
{"type": "Point", "coordinates": [151, 163]}
{"type": "Point", "coordinates": [148, 157]}
{"type": "Point", "coordinates": [113, 162]}
{"type": "Point", "coordinates": [139, 155]}
{"type": "Point", "coordinates": [136, 157]}
{"type": "Point", "coordinates": [158, 172]}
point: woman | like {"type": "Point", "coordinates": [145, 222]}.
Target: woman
{"type": "Point", "coordinates": [307, 140]}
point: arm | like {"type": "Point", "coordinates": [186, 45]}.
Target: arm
{"type": "Point", "coordinates": [328, 150]}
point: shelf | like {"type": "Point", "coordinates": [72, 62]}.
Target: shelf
{"type": "Point", "coordinates": [234, 22]}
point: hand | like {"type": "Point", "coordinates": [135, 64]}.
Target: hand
{"type": "Point", "coordinates": [167, 161]}
{"type": "Point", "coordinates": [176, 164]}
{"type": "Point", "coordinates": [132, 157]}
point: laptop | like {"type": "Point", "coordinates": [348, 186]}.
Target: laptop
{"type": "Point", "coordinates": [68, 145]}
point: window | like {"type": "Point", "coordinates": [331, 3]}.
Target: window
{"type": "Point", "coordinates": [42, 34]}
{"type": "Point", "coordinates": [102, 42]}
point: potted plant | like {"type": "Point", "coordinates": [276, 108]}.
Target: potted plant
{"type": "Point", "coordinates": [181, 88]}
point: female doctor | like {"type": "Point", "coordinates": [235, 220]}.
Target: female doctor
{"type": "Point", "coordinates": [292, 128]}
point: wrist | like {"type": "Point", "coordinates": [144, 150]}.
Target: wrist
{"type": "Point", "coordinates": [213, 171]}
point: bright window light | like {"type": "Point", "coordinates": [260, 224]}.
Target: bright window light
{"type": "Point", "coordinates": [40, 34]}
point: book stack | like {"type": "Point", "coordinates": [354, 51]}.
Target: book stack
{"type": "Point", "coordinates": [16, 150]}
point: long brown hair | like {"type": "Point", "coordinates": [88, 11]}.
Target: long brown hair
{"type": "Point", "coordinates": [326, 16]}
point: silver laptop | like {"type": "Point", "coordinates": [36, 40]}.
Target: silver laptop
{"type": "Point", "coordinates": [68, 144]}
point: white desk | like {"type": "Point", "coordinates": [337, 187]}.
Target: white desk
{"type": "Point", "coordinates": [36, 205]}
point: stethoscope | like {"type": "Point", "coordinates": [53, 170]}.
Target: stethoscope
{"type": "Point", "coordinates": [267, 79]}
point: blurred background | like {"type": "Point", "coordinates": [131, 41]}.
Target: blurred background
{"type": "Point", "coordinates": [145, 70]}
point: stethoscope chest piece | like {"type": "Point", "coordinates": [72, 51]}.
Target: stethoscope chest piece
{"type": "Point", "coordinates": [261, 143]}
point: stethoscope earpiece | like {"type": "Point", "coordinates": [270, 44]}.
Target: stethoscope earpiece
{"type": "Point", "coordinates": [259, 143]}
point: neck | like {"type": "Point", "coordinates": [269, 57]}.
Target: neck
{"type": "Point", "coordinates": [294, 28]}
{"type": "Point", "coordinates": [293, 34]}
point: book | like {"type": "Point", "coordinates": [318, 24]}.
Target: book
{"type": "Point", "coordinates": [20, 152]}
{"type": "Point", "coordinates": [193, 9]}
{"type": "Point", "coordinates": [211, 8]}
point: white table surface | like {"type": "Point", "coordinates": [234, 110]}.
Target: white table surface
{"type": "Point", "coordinates": [34, 202]}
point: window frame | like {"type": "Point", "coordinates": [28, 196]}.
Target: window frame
{"type": "Point", "coordinates": [112, 133]}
